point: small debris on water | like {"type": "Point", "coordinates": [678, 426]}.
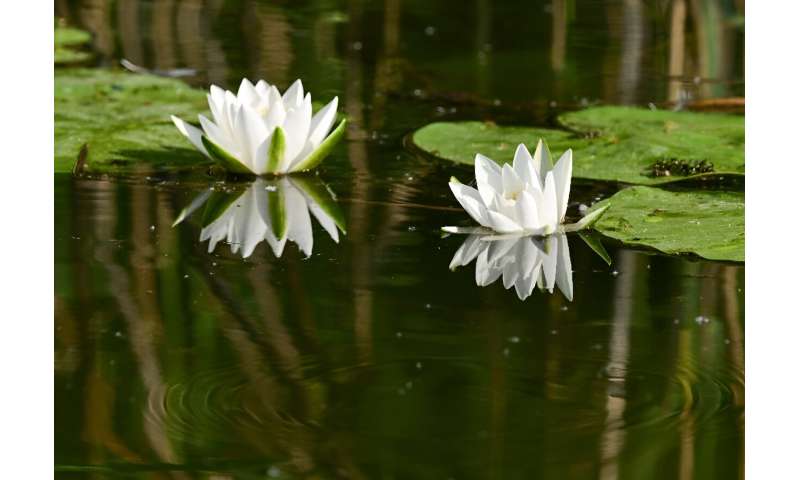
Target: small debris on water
{"type": "Point", "coordinates": [152, 228]}
{"type": "Point", "coordinates": [583, 208]}
{"type": "Point", "coordinates": [553, 332]}
{"type": "Point", "coordinates": [513, 339]}
{"type": "Point", "coordinates": [412, 228]}
{"type": "Point", "coordinates": [614, 273]}
{"type": "Point", "coordinates": [430, 30]}
{"type": "Point", "coordinates": [399, 334]}
{"type": "Point", "coordinates": [419, 365]}
{"type": "Point", "coordinates": [700, 319]}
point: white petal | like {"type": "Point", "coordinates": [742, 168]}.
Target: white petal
{"type": "Point", "coordinates": [511, 181]}
{"type": "Point", "coordinates": [541, 161]}
{"type": "Point", "coordinates": [276, 113]}
{"type": "Point", "coordinates": [501, 223]}
{"type": "Point", "coordinates": [262, 88]}
{"type": "Point", "coordinates": [550, 262]}
{"type": "Point", "coordinates": [247, 94]}
{"type": "Point", "coordinates": [299, 221]}
{"type": "Point", "coordinates": [293, 96]}
{"type": "Point", "coordinates": [216, 135]}
{"type": "Point", "coordinates": [249, 226]}
{"type": "Point", "coordinates": [563, 177]}
{"type": "Point", "coordinates": [253, 132]}
{"type": "Point", "coordinates": [523, 164]}
{"type": "Point", "coordinates": [527, 212]}
{"type": "Point", "coordinates": [325, 220]}
{"type": "Point", "coordinates": [548, 209]}
{"type": "Point", "coordinates": [488, 177]}
{"type": "Point", "coordinates": [564, 267]}
{"type": "Point", "coordinates": [468, 250]}
{"type": "Point", "coordinates": [322, 122]}
{"type": "Point", "coordinates": [296, 125]}
{"type": "Point", "coordinates": [485, 273]}
{"type": "Point", "coordinates": [471, 201]}
{"type": "Point", "coordinates": [191, 132]}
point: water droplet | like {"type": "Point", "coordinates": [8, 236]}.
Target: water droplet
{"type": "Point", "coordinates": [186, 276]}
{"type": "Point", "coordinates": [615, 273]}
{"type": "Point", "coordinates": [152, 228]}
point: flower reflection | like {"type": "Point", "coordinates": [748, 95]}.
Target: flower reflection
{"type": "Point", "coordinates": [523, 261]}
{"type": "Point", "coordinates": [277, 211]}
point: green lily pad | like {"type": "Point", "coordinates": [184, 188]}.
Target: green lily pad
{"type": "Point", "coordinates": [124, 120]}
{"type": "Point", "coordinates": [709, 224]}
{"type": "Point", "coordinates": [618, 144]}
{"type": "Point", "coordinates": [640, 146]}
{"type": "Point", "coordinates": [69, 44]}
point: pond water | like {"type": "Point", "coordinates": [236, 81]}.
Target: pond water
{"type": "Point", "coordinates": [368, 357]}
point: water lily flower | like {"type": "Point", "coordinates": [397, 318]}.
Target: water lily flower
{"type": "Point", "coordinates": [527, 197]}
{"type": "Point", "coordinates": [259, 131]}
{"type": "Point", "coordinates": [523, 262]}
{"type": "Point", "coordinates": [276, 211]}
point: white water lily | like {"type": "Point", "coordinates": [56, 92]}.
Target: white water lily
{"type": "Point", "coordinates": [276, 211]}
{"type": "Point", "coordinates": [528, 197]}
{"type": "Point", "coordinates": [260, 131]}
{"type": "Point", "coordinates": [523, 262]}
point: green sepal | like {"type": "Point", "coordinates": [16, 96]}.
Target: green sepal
{"type": "Point", "coordinates": [317, 192]}
{"type": "Point", "coordinates": [189, 209]}
{"type": "Point", "coordinates": [277, 148]}
{"type": "Point", "coordinates": [593, 240]}
{"type": "Point", "coordinates": [322, 151]}
{"type": "Point", "coordinates": [277, 213]}
{"type": "Point", "coordinates": [221, 156]}
{"type": "Point", "coordinates": [217, 203]}
{"type": "Point", "coordinates": [587, 221]}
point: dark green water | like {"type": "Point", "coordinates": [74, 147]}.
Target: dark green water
{"type": "Point", "coordinates": [370, 358]}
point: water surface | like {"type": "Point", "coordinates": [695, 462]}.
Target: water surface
{"type": "Point", "coordinates": [370, 358]}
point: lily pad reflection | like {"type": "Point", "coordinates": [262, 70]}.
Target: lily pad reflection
{"type": "Point", "coordinates": [277, 211]}
{"type": "Point", "coordinates": [522, 261]}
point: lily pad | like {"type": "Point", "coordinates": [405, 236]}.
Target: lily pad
{"type": "Point", "coordinates": [124, 120]}
{"type": "Point", "coordinates": [69, 44]}
{"type": "Point", "coordinates": [709, 224]}
{"type": "Point", "coordinates": [618, 144]}
{"type": "Point", "coordinates": [626, 144]}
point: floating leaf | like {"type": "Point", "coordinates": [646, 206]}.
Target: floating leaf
{"type": "Point", "coordinates": [619, 144]}
{"type": "Point", "coordinates": [69, 44]}
{"type": "Point", "coordinates": [709, 224]}
{"type": "Point", "coordinates": [460, 141]}
{"type": "Point", "coordinates": [124, 119]}
{"type": "Point", "coordinates": [627, 144]}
